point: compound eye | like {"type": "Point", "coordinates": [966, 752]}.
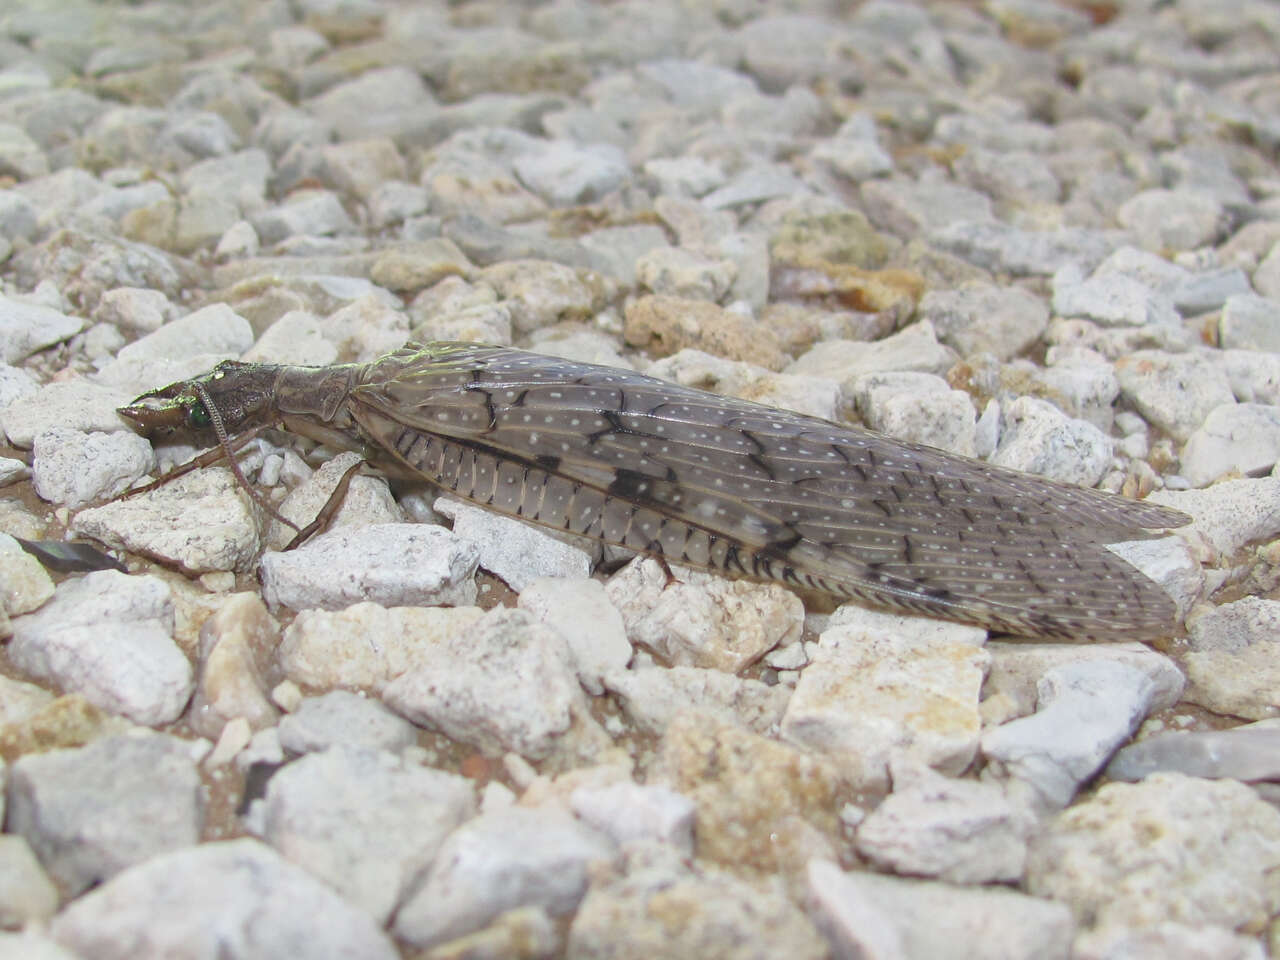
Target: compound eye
{"type": "Point", "coordinates": [197, 416]}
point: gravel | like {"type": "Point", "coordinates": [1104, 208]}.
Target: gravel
{"type": "Point", "coordinates": [1020, 231]}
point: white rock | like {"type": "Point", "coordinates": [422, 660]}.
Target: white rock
{"type": "Point", "coordinates": [983, 318]}
{"type": "Point", "coordinates": [365, 646]}
{"type": "Point", "coordinates": [652, 697]}
{"type": "Point", "coordinates": [1174, 391]}
{"type": "Point", "coordinates": [297, 337]}
{"type": "Point", "coordinates": [506, 684]}
{"type": "Point", "coordinates": [1085, 711]}
{"type": "Point", "coordinates": [367, 501]}
{"type": "Point", "coordinates": [810, 395]}
{"type": "Point", "coordinates": [1229, 514]}
{"type": "Point", "coordinates": [91, 812]}
{"type": "Point", "coordinates": [1232, 667]}
{"type": "Point", "coordinates": [342, 718]}
{"type": "Point", "coordinates": [885, 686]}
{"type": "Point", "coordinates": [200, 522]}
{"type": "Point", "coordinates": [238, 892]}
{"type": "Point", "coordinates": [1017, 668]}
{"type": "Point", "coordinates": [72, 468]}
{"type": "Point", "coordinates": [18, 701]}
{"type": "Point", "coordinates": [961, 831]}
{"type": "Point", "coordinates": [108, 636]}
{"type": "Point", "coordinates": [70, 404]}
{"type": "Point", "coordinates": [1254, 376]}
{"type": "Point", "coordinates": [517, 552]}
{"type": "Point", "coordinates": [1166, 941]}
{"type": "Point", "coordinates": [1236, 437]}
{"type": "Point", "coordinates": [913, 348]}
{"type": "Point", "coordinates": [1037, 438]}
{"type": "Point", "coordinates": [1178, 219]}
{"type": "Point", "coordinates": [630, 813]}
{"type": "Point", "coordinates": [215, 329]}
{"type": "Point", "coordinates": [497, 862]}
{"type": "Point", "coordinates": [703, 620]}
{"type": "Point", "coordinates": [387, 563]}
{"type": "Point", "coordinates": [27, 895]}
{"type": "Point", "coordinates": [235, 650]}
{"type": "Point", "coordinates": [886, 918]}
{"type": "Point", "coordinates": [919, 408]}
{"type": "Point", "coordinates": [364, 821]}
{"type": "Point", "coordinates": [26, 585]}
{"type": "Point", "coordinates": [582, 613]}
{"type": "Point", "coordinates": [28, 327]}
{"type": "Point", "coordinates": [1199, 852]}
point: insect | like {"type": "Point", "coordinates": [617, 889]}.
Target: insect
{"type": "Point", "coordinates": [709, 481]}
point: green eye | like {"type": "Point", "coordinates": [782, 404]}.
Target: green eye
{"type": "Point", "coordinates": [198, 416]}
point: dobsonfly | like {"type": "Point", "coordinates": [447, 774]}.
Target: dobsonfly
{"type": "Point", "coordinates": [709, 481]}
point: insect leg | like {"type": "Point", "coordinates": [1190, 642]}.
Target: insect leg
{"type": "Point", "coordinates": [330, 507]}
{"type": "Point", "coordinates": [203, 460]}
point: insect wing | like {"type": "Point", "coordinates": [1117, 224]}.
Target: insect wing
{"type": "Point", "coordinates": [779, 495]}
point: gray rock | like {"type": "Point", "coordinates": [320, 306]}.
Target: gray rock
{"type": "Point", "coordinates": [1250, 753]}
{"type": "Point", "coordinates": [1250, 322]}
{"type": "Point", "coordinates": [366, 822]}
{"type": "Point", "coordinates": [344, 719]}
{"type": "Point", "coordinates": [1110, 299]}
{"type": "Point", "coordinates": [388, 563]}
{"type": "Point", "coordinates": [499, 861]}
{"type": "Point", "coordinates": [18, 216]}
{"type": "Point", "coordinates": [983, 318]}
{"type": "Point", "coordinates": [1176, 392]}
{"type": "Point", "coordinates": [517, 552]}
{"type": "Point", "coordinates": [1018, 178]}
{"type": "Point", "coordinates": [20, 156]}
{"type": "Point", "coordinates": [865, 915]}
{"type": "Point", "coordinates": [1179, 219]}
{"type": "Point", "coordinates": [1202, 292]}
{"type": "Point", "coordinates": [108, 636]}
{"type": "Point", "coordinates": [1036, 437]}
{"type": "Point", "coordinates": [73, 468]}
{"type": "Point", "coordinates": [91, 812]}
{"type": "Point", "coordinates": [754, 185]}
{"type": "Point", "coordinates": [28, 327]}
{"type": "Point", "coordinates": [960, 831]}
{"type": "Point", "coordinates": [1266, 278]}
{"type": "Point", "coordinates": [309, 213]}
{"type": "Point", "coordinates": [239, 893]}
{"type": "Point", "coordinates": [1236, 437]}
{"type": "Point", "coordinates": [908, 208]}
{"type": "Point", "coordinates": [1085, 711]}
{"type": "Point", "coordinates": [565, 173]}
{"type": "Point", "coordinates": [505, 684]}
{"type": "Point", "coordinates": [679, 272]}
{"type": "Point", "coordinates": [1002, 248]}
{"type": "Point", "coordinates": [582, 613]}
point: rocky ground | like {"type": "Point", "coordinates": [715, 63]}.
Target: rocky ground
{"type": "Point", "coordinates": [1042, 233]}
